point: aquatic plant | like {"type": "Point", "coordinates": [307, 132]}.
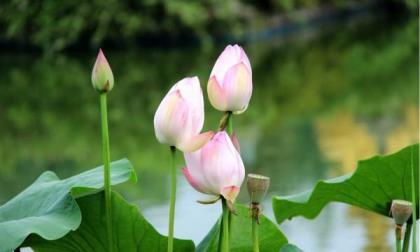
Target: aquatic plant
{"type": "Point", "coordinates": [84, 213]}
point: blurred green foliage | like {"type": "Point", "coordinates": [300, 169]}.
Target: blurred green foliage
{"type": "Point", "coordinates": [49, 109]}
{"type": "Point", "coordinates": [53, 25]}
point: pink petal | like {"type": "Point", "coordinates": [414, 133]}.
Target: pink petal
{"type": "Point", "coordinates": [230, 192]}
{"type": "Point", "coordinates": [219, 161]}
{"type": "Point", "coordinates": [235, 142]}
{"type": "Point", "coordinates": [195, 142]}
{"type": "Point", "coordinates": [230, 56]}
{"type": "Point", "coordinates": [237, 86]}
{"type": "Point", "coordinates": [191, 180]}
{"type": "Point", "coordinates": [216, 95]}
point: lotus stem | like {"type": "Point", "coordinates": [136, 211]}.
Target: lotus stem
{"type": "Point", "coordinates": [225, 227]}
{"type": "Point", "coordinates": [172, 202]}
{"type": "Point", "coordinates": [107, 172]}
{"type": "Point", "coordinates": [229, 126]}
{"type": "Point", "coordinates": [407, 235]}
{"type": "Point", "coordinates": [229, 131]}
{"type": "Point", "coordinates": [414, 205]}
{"type": "Point", "coordinates": [226, 123]}
{"type": "Point", "coordinates": [255, 245]}
{"type": "Point", "coordinates": [398, 235]}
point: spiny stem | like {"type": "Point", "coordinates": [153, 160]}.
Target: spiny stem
{"type": "Point", "coordinates": [107, 172]}
{"type": "Point", "coordinates": [229, 131]}
{"type": "Point", "coordinates": [414, 205]}
{"type": "Point", "coordinates": [255, 244]}
{"type": "Point", "coordinates": [229, 123]}
{"type": "Point", "coordinates": [225, 227]}
{"type": "Point", "coordinates": [398, 234]}
{"type": "Point", "coordinates": [407, 235]}
{"type": "Point", "coordinates": [172, 202]}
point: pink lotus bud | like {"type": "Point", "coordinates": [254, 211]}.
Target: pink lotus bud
{"type": "Point", "coordinates": [180, 116]}
{"type": "Point", "coordinates": [230, 84]}
{"type": "Point", "coordinates": [102, 77]}
{"type": "Point", "coordinates": [216, 168]}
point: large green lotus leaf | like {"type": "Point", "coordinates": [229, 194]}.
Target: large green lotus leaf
{"type": "Point", "coordinates": [270, 236]}
{"type": "Point", "coordinates": [130, 229]}
{"type": "Point", "coordinates": [373, 186]}
{"type": "Point", "coordinates": [290, 248]}
{"type": "Point", "coordinates": [48, 206]}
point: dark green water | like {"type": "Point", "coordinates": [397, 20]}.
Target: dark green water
{"type": "Point", "coordinates": [319, 105]}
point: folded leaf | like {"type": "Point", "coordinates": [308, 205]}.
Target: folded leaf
{"type": "Point", "coordinates": [131, 231]}
{"type": "Point", "coordinates": [373, 186]}
{"type": "Point", "coordinates": [48, 208]}
{"type": "Point", "coordinates": [270, 236]}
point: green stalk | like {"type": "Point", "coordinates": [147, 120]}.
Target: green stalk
{"type": "Point", "coordinates": [172, 202]}
{"type": "Point", "coordinates": [229, 124]}
{"type": "Point", "coordinates": [107, 172]}
{"type": "Point", "coordinates": [398, 239]}
{"type": "Point", "coordinates": [407, 234]}
{"type": "Point", "coordinates": [229, 131]}
{"type": "Point", "coordinates": [255, 244]}
{"type": "Point", "coordinates": [414, 205]}
{"type": "Point", "coordinates": [225, 227]}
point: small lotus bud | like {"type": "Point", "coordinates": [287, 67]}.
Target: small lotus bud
{"type": "Point", "coordinates": [257, 187]}
{"type": "Point", "coordinates": [102, 77]}
{"type": "Point", "coordinates": [401, 211]}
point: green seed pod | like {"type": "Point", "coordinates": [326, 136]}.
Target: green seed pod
{"type": "Point", "coordinates": [401, 211]}
{"type": "Point", "coordinates": [102, 77]}
{"type": "Point", "coordinates": [257, 187]}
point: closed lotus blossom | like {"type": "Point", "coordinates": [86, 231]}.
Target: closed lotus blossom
{"type": "Point", "coordinates": [102, 77]}
{"type": "Point", "coordinates": [230, 85]}
{"type": "Point", "coordinates": [179, 118]}
{"type": "Point", "coordinates": [216, 169]}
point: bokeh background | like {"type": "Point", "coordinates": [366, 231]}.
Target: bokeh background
{"type": "Point", "coordinates": [335, 81]}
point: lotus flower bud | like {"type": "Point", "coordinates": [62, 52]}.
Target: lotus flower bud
{"type": "Point", "coordinates": [401, 211]}
{"type": "Point", "coordinates": [180, 116]}
{"type": "Point", "coordinates": [230, 85]}
{"type": "Point", "coordinates": [102, 77]}
{"type": "Point", "coordinates": [257, 187]}
{"type": "Point", "coordinates": [216, 168]}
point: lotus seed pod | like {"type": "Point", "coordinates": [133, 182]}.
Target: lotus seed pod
{"type": "Point", "coordinates": [257, 187]}
{"type": "Point", "coordinates": [102, 77]}
{"type": "Point", "coordinates": [401, 211]}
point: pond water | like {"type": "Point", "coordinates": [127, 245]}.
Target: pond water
{"type": "Point", "coordinates": [321, 102]}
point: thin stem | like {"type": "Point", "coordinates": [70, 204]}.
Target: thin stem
{"type": "Point", "coordinates": [398, 231]}
{"type": "Point", "coordinates": [229, 123]}
{"type": "Point", "coordinates": [172, 202]}
{"type": "Point", "coordinates": [225, 227]}
{"type": "Point", "coordinates": [255, 244]}
{"type": "Point", "coordinates": [407, 235]}
{"type": "Point", "coordinates": [107, 173]}
{"type": "Point", "coordinates": [414, 206]}
{"type": "Point", "coordinates": [229, 131]}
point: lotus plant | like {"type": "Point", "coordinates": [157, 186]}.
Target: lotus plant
{"type": "Point", "coordinates": [217, 169]}
{"type": "Point", "coordinates": [178, 122]}
{"type": "Point", "coordinates": [103, 82]}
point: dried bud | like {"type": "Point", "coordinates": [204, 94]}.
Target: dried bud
{"type": "Point", "coordinates": [102, 77]}
{"type": "Point", "coordinates": [257, 187]}
{"type": "Point", "coordinates": [401, 211]}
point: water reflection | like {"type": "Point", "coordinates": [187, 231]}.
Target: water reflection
{"type": "Point", "coordinates": [318, 107]}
